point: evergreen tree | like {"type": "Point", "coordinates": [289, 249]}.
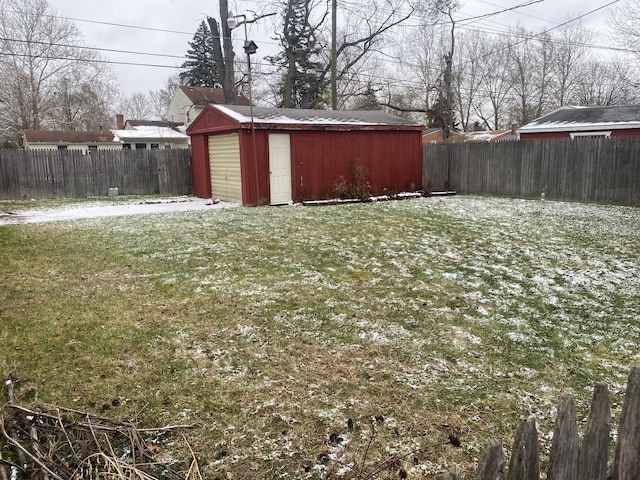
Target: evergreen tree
{"type": "Point", "coordinates": [367, 100]}
{"type": "Point", "coordinates": [302, 84]}
{"type": "Point", "coordinates": [200, 65]}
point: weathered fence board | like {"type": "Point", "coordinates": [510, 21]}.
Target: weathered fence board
{"type": "Point", "coordinates": [594, 453]}
{"type": "Point", "coordinates": [491, 462]}
{"type": "Point", "coordinates": [567, 460]}
{"type": "Point", "coordinates": [69, 174]}
{"type": "Point", "coordinates": [626, 464]}
{"type": "Point", "coordinates": [524, 463]}
{"type": "Point", "coordinates": [603, 170]}
{"type": "Point", "coordinates": [564, 448]}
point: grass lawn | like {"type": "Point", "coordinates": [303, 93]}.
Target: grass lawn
{"type": "Point", "coordinates": [294, 335]}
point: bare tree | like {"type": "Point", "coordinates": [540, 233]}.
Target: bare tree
{"type": "Point", "coordinates": [136, 106]}
{"type": "Point", "coordinates": [421, 56]}
{"type": "Point", "coordinates": [468, 76]}
{"type": "Point", "coordinates": [625, 22]}
{"type": "Point", "coordinates": [160, 99]}
{"type": "Point", "coordinates": [605, 84]}
{"type": "Point", "coordinates": [83, 103]}
{"type": "Point", "coordinates": [44, 70]}
{"type": "Point", "coordinates": [531, 60]}
{"type": "Point", "coordinates": [570, 53]}
{"type": "Point", "coordinates": [438, 11]}
{"type": "Point", "coordinates": [365, 29]}
{"type": "Point", "coordinates": [492, 104]}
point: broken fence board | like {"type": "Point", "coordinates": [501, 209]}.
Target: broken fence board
{"type": "Point", "coordinates": [563, 459]}
{"type": "Point", "coordinates": [626, 465]}
{"type": "Point", "coordinates": [491, 462]}
{"type": "Point", "coordinates": [524, 463]}
{"type": "Point", "coordinates": [594, 453]}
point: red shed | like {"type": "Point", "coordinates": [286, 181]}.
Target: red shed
{"type": "Point", "coordinates": [571, 122]}
{"type": "Point", "coordinates": [277, 155]}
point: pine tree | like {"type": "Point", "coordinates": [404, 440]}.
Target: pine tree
{"type": "Point", "coordinates": [302, 84]}
{"type": "Point", "coordinates": [367, 100]}
{"type": "Point", "coordinates": [200, 67]}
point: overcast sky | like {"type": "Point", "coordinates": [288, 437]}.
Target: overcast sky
{"type": "Point", "coordinates": [164, 28]}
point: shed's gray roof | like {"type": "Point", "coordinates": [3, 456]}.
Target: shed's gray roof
{"type": "Point", "coordinates": [571, 118]}
{"type": "Point", "coordinates": [318, 117]}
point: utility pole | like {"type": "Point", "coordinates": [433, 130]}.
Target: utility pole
{"type": "Point", "coordinates": [334, 55]}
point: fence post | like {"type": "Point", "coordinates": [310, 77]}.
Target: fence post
{"type": "Point", "coordinates": [626, 465]}
{"type": "Point", "coordinates": [524, 463]}
{"type": "Point", "coordinates": [563, 458]}
{"type": "Point", "coordinates": [594, 453]}
{"type": "Point", "coordinates": [491, 462]}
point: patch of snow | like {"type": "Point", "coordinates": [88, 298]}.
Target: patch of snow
{"type": "Point", "coordinates": [78, 212]}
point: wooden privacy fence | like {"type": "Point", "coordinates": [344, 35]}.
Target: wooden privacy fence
{"type": "Point", "coordinates": [596, 169]}
{"type": "Point", "coordinates": [26, 174]}
{"type": "Point", "coordinates": [569, 459]}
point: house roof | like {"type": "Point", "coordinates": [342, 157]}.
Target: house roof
{"type": "Point", "coordinates": [205, 95]}
{"type": "Point", "coordinates": [153, 123]}
{"type": "Point", "coordinates": [148, 132]}
{"type": "Point", "coordinates": [485, 136]}
{"type": "Point", "coordinates": [291, 116]}
{"type": "Point", "coordinates": [63, 136]}
{"type": "Point", "coordinates": [573, 118]}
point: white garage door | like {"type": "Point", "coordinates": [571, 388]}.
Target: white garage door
{"type": "Point", "coordinates": [224, 158]}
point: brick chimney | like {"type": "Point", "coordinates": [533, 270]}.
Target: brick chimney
{"type": "Point", "coordinates": [514, 129]}
{"type": "Point", "coordinates": [119, 121]}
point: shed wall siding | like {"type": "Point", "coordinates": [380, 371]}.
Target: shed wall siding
{"type": "Point", "coordinates": [200, 169]}
{"type": "Point", "coordinates": [391, 161]}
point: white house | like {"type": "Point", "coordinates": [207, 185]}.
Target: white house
{"type": "Point", "coordinates": [188, 102]}
{"type": "Point", "coordinates": [86, 142]}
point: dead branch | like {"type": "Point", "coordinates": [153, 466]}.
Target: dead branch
{"type": "Point", "coordinates": [66, 443]}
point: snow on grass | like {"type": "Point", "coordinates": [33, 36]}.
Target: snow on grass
{"type": "Point", "coordinates": [456, 314]}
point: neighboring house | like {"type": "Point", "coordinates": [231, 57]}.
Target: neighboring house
{"type": "Point", "coordinates": [188, 102]}
{"type": "Point", "coordinates": [432, 135]}
{"type": "Point", "coordinates": [131, 135]}
{"type": "Point", "coordinates": [489, 135]}
{"type": "Point", "coordinates": [270, 155]}
{"type": "Point", "coordinates": [85, 142]}
{"type": "Point", "coordinates": [134, 124]}
{"type": "Point", "coordinates": [146, 137]}
{"type": "Point", "coordinates": [150, 134]}
{"type": "Point", "coordinates": [572, 121]}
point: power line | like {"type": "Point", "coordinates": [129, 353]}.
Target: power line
{"type": "Point", "coordinates": [242, 62]}
{"type": "Point", "coordinates": [486, 15]}
{"type": "Point", "coordinates": [90, 48]}
{"type": "Point", "coordinates": [121, 25]}
{"type": "Point", "coordinates": [84, 60]}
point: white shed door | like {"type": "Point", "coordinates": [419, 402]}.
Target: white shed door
{"type": "Point", "coordinates": [280, 168]}
{"type": "Point", "coordinates": [224, 159]}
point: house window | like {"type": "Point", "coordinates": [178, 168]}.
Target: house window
{"type": "Point", "coordinates": [155, 146]}
{"type": "Point", "coordinates": [92, 148]}
{"type": "Point", "coordinates": [62, 147]}
{"type": "Point", "coordinates": [167, 146]}
{"type": "Point", "coordinates": [126, 146]}
{"type": "Point", "coordinates": [141, 146]}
